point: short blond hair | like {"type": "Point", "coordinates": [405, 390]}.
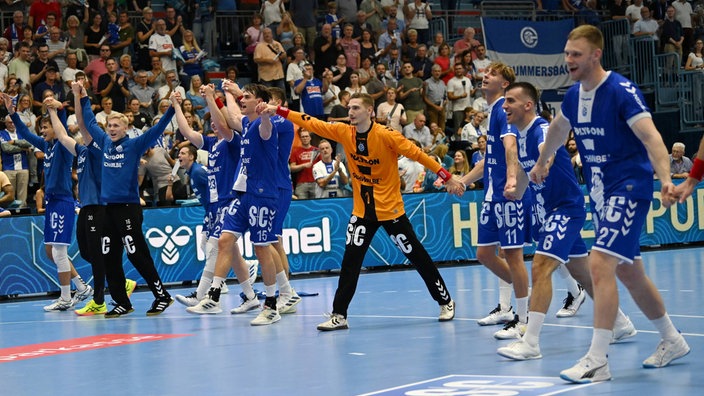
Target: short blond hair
{"type": "Point", "coordinates": [121, 117]}
{"type": "Point", "coordinates": [590, 33]}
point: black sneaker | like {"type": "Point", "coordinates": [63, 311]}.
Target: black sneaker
{"type": "Point", "coordinates": [118, 311]}
{"type": "Point", "coordinates": [159, 305]}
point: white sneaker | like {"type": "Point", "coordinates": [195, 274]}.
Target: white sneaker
{"type": "Point", "coordinates": [246, 306]}
{"type": "Point", "coordinates": [447, 312]}
{"type": "Point", "coordinates": [252, 268]}
{"type": "Point", "coordinates": [336, 322]}
{"type": "Point", "coordinates": [513, 329]}
{"type": "Point", "coordinates": [266, 317]}
{"type": "Point", "coordinates": [224, 289]}
{"type": "Point", "coordinates": [666, 352]}
{"type": "Point", "coordinates": [572, 304]}
{"type": "Point", "coordinates": [59, 305]}
{"type": "Point", "coordinates": [587, 370]}
{"type": "Point", "coordinates": [520, 350]}
{"type": "Point", "coordinates": [624, 332]}
{"type": "Point", "coordinates": [80, 296]}
{"type": "Point", "coordinates": [205, 306]}
{"type": "Point", "coordinates": [190, 300]}
{"type": "Point", "coordinates": [497, 316]}
{"type": "Point", "coordinates": [286, 303]}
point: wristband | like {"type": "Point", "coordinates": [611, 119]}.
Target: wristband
{"type": "Point", "coordinates": [282, 111]}
{"type": "Point", "coordinates": [445, 175]}
{"type": "Point", "coordinates": [218, 102]}
{"type": "Point", "coordinates": [697, 171]}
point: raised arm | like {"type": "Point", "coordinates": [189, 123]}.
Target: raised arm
{"type": "Point", "coordinates": [81, 108]}
{"type": "Point", "coordinates": [215, 114]}
{"type": "Point", "coordinates": [185, 129]}
{"type": "Point", "coordinates": [52, 105]}
{"type": "Point", "coordinates": [265, 128]}
{"type": "Point", "coordinates": [22, 130]}
{"type": "Point", "coordinates": [557, 134]}
{"type": "Point", "coordinates": [232, 113]}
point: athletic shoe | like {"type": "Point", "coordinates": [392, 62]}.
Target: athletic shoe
{"type": "Point", "coordinates": [624, 332]}
{"type": "Point", "coordinates": [59, 305]}
{"type": "Point", "coordinates": [246, 306]}
{"type": "Point", "coordinates": [572, 304]}
{"type": "Point", "coordinates": [190, 300]}
{"type": "Point", "coordinates": [118, 311]}
{"type": "Point", "coordinates": [286, 303]}
{"type": "Point", "coordinates": [252, 268]}
{"type": "Point", "coordinates": [447, 312]}
{"type": "Point", "coordinates": [512, 329]}
{"type": "Point", "coordinates": [130, 285]}
{"type": "Point", "coordinates": [81, 296]}
{"type": "Point", "coordinates": [206, 306]}
{"type": "Point", "coordinates": [336, 322]}
{"type": "Point", "coordinates": [91, 309]}
{"type": "Point", "coordinates": [586, 371]}
{"type": "Point", "coordinates": [159, 305]}
{"type": "Point", "coordinates": [520, 350]}
{"type": "Point", "coordinates": [267, 316]}
{"type": "Point", "coordinates": [666, 352]}
{"type": "Point", "coordinates": [224, 289]}
{"type": "Point", "coordinates": [497, 316]}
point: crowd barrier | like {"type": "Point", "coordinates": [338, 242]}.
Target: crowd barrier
{"type": "Point", "coordinates": [314, 236]}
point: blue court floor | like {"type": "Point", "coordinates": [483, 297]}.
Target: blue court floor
{"type": "Point", "coordinates": [394, 346]}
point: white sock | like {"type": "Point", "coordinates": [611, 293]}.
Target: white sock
{"type": "Point", "coordinates": [667, 330]}
{"type": "Point", "coordinates": [535, 324]}
{"type": "Point", "coordinates": [599, 349]}
{"type": "Point", "coordinates": [621, 319]}
{"type": "Point", "coordinates": [505, 290]}
{"type": "Point", "coordinates": [80, 284]}
{"type": "Point", "coordinates": [570, 282]}
{"type": "Point", "coordinates": [248, 290]}
{"type": "Point", "coordinates": [217, 282]}
{"type": "Point", "coordinates": [284, 285]}
{"type": "Point", "coordinates": [522, 309]}
{"type": "Point", "coordinates": [206, 280]}
{"type": "Point", "coordinates": [65, 292]}
{"type": "Point", "coordinates": [270, 290]}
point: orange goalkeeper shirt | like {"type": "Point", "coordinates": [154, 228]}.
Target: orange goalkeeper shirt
{"type": "Point", "coordinates": [372, 158]}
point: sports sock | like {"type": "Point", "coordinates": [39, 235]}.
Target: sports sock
{"type": "Point", "coordinates": [248, 290]}
{"type": "Point", "coordinates": [667, 330]}
{"type": "Point", "coordinates": [570, 282]}
{"type": "Point", "coordinates": [65, 292]}
{"type": "Point", "coordinates": [505, 290]}
{"type": "Point", "coordinates": [80, 284]}
{"type": "Point", "coordinates": [282, 282]}
{"type": "Point", "coordinates": [522, 309]}
{"type": "Point", "coordinates": [214, 291]}
{"type": "Point", "coordinates": [599, 348]}
{"type": "Point", "coordinates": [535, 324]}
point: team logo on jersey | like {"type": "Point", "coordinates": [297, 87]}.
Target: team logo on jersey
{"type": "Point", "coordinates": [360, 147]}
{"type": "Point", "coordinates": [169, 240]}
{"type": "Point", "coordinates": [118, 148]}
{"type": "Point", "coordinates": [529, 37]}
{"type": "Point", "coordinates": [353, 219]}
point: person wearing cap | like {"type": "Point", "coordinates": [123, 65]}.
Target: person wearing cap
{"type": "Point", "coordinates": [51, 82]}
{"type": "Point", "coordinates": [38, 67]}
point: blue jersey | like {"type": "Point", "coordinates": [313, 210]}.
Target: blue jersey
{"type": "Point", "coordinates": [312, 97]}
{"type": "Point", "coordinates": [199, 183]}
{"type": "Point", "coordinates": [495, 157]}
{"type": "Point", "coordinates": [16, 161]}
{"type": "Point", "coordinates": [258, 161]}
{"type": "Point", "coordinates": [89, 172]}
{"type": "Point", "coordinates": [58, 161]}
{"type": "Point", "coordinates": [121, 158]}
{"type": "Point", "coordinates": [286, 132]}
{"type": "Point", "coordinates": [612, 155]}
{"type": "Point", "coordinates": [560, 189]}
{"type": "Point", "coordinates": [223, 158]}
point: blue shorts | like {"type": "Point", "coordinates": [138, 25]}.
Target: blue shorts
{"type": "Point", "coordinates": [284, 202]}
{"type": "Point", "coordinates": [506, 223]}
{"type": "Point", "coordinates": [212, 224]}
{"type": "Point", "coordinates": [58, 222]}
{"type": "Point", "coordinates": [560, 236]}
{"type": "Point", "coordinates": [254, 214]}
{"type": "Point", "coordinates": [618, 227]}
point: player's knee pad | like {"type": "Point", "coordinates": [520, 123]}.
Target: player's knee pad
{"type": "Point", "coordinates": [211, 254]}
{"type": "Point", "coordinates": [60, 255]}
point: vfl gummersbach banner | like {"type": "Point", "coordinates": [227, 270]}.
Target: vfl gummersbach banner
{"type": "Point", "coordinates": [535, 50]}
